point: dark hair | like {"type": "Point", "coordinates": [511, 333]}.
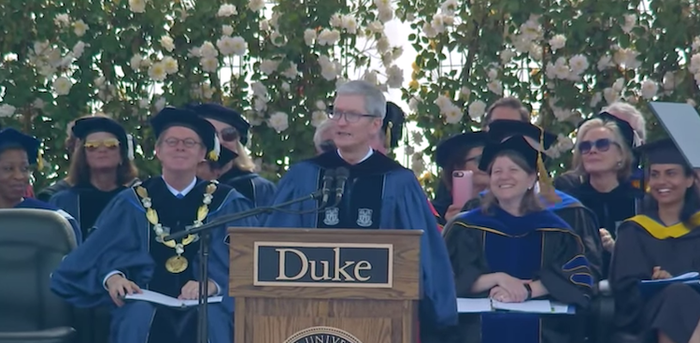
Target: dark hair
{"type": "Point", "coordinates": [79, 171]}
{"type": "Point", "coordinates": [458, 158]}
{"type": "Point", "coordinates": [531, 202]}
{"type": "Point", "coordinates": [508, 102]}
{"type": "Point", "coordinates": [691, 200]}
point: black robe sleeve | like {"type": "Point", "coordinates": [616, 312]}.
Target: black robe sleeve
{"type": "Point", "coordinates": [466, 255]}
{"type": "Point", "coordinates": [630, 264]}
{"type": "Point", "coordinates": [565, 272]}
{"type": "Point", "coordinates": [585, 224]}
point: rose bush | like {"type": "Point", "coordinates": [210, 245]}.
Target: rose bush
{"type": "Point", "coordinates": [276, 62]}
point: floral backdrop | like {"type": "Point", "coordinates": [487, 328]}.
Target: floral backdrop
{"type": "Point", "coordinates": [278, 62]}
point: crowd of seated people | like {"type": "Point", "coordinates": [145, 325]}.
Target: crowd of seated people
{"type": "Point", "coordinates": [511, 233]}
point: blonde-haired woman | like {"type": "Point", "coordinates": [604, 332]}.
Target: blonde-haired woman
{"type": "Point", "coordinates": [512, 249]}
{"type": "Point", "coordinates": [232, 130]}
{"type": "Point", "coordinates": [602, 165]}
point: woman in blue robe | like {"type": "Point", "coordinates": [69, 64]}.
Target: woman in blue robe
{"type": "Point", "coordinates": [17, 153]}
{"type": "Point", "coordinates": [512, 249]}
{"type": "Point", "coordinates": [126, 252]}
{"type": "Point", "coordinates": [101, 167]}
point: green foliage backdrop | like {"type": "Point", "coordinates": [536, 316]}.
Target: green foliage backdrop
{"type": "Point", "coordinates": [279, 63]}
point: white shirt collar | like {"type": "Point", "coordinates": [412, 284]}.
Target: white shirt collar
{"type": "Point", "coordinates": [184, 191]}
{"type": "Point", "coordinates": [369, 154]}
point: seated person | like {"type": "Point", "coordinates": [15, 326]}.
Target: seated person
{"type": "Point", "coordinates": [568, 208]}
{"type": "Point", "coordinates": [127, 252]}
{"type": "Point", "coordinates": [658, 244]}
{"type": "Point", "coordinates": [17, 153]}
{"type": "Point", "coordinates": [512, 249]}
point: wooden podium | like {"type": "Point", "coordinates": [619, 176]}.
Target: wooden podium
{"type": "Point", "coordinates": [324, 285]}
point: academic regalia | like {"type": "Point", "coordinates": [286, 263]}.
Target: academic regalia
{"type": "Point", "coordinates": [46, 193]}
{"type": "Point", "coordinates": [379, 194]}
{"type": "Point", "coordinates": [537, 246]}
{"type": "Point", "coordinates": [40, 205]}
{"type": "Point", "coordinates": [450, 152]}
{"type": "Point", "coordinates": [84, 202]}
{"type": "Point", "coordinates": [128, 239]}
{"type": "Point", "coordinates": [253, 186]}
{"type": "Point", "coordinates": [11, 138]}
{"type": "Point", "coordinates": [643, 243]}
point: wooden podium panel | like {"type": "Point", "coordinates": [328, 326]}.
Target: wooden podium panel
{"type": "Point", "coordinates": [361, 286]}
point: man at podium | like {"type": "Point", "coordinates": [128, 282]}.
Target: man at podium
{"type": "Point", "coordinates": [379, 193]}
{"type": "Point", "coordinates": [127, 253]}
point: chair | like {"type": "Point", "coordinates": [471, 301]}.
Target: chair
{"type": "Point", "coordinates": [32, 244]}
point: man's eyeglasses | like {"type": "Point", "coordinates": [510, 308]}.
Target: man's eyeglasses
{"type": "Point", "coordinates": [350, 117]}
{"type": "Point", "coordinates": [110, 144]}
{"type": "Point", "coordinates": [229, 134]}
{"type": "Point", "coordinates": [187, 142]}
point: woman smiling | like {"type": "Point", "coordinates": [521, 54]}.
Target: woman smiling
{"type": "Point", "coordinates": [512, 250]}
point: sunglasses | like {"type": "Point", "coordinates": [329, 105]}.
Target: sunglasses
{"type": "Point", "coordinates": [110, 144]}
{"type": "Point", "coordinates": [601, 145]}
{"type": "Point", "coordinates": [229, 134]}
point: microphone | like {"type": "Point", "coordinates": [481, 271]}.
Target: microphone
{"type": "Point", "coordinates": [341, 175]}
{"type": "Point", "coordinates": [328, 177]}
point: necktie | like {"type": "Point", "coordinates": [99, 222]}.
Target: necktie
{"type": "Point", "coordinates": [179, 196]}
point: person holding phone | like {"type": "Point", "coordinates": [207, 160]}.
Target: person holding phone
{"type": "Point", "coordinates": [459, 158]}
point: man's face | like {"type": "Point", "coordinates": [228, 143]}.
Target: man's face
{"type": "Point", "coordinates": [180, 149]}
{"type": "Point", "coordinates": [353, 127]}
{"type": "Point", "coordinates": [504, 113]}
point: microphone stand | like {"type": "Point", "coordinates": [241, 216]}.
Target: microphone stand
{"type": "Point", "coordinates": [204, 232]}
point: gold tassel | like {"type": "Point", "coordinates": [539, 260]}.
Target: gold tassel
{"type": "Point", "coordinates": [213, 156]}
{"type": "Point", "coordinates": [388, 135]}
{"type": "Point", "coordinates": [546, 187]}
{"type": "Point", "coordinates": [40, 160]}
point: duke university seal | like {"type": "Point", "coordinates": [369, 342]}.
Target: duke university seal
{"type": "Point", "coordinates": [322, 334]}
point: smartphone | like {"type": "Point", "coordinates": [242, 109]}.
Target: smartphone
{"type": "Point", "coordinates": [461, 187]}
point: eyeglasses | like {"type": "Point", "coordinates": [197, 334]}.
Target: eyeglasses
{"type": "Point", "coordinates": [110, 144]}
{"type": "Point", "coordinates": [601, 145]}
{"type": "Point", "coordinates": [187, 142]}
{"type": "Point", "coordinates": [229, 134]}
{"type": "Point", "coordinates": [350, 117]}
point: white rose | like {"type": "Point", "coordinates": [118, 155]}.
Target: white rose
{"type": "Point", "coordinates": [453, 115]}
{"type": "Point", "coordinates": [227, 30]}
{"type": "Point", "coordinates": [309, 36]}
{"type": "Point", "coordinates": [226, 10]}
{"type": "Point", "coordinates": [394, 77]}
{"type": "Point", "coordinates": [279, 121]}
{"type": "Point", "coordinates": [256, 5]}
{"type": "Point", "coordinates": [318, 117]}
{"type": "Point", "coordinates": [208, 50]}
{"type": "Point", "coordinates": [557, 42]}
{"type": "Point", "coordinates": [79, 28]}
{"type": "Point", "coordinates": [137, 6]}
{"type": "Point", "coordinates": [62, 85]}
{"type": "Point", "coordinates": [7, 110]}
{"type": "Point", "coordinates": [477, 109]}
{"type": "Point", "coordinates": [209, 64]}
{"type": "Point", "coordinates": [649, 89]}
{"type": "Point", "coordinates": [170, 64]}
{"type": "Point", "coordinates": [157, 71]}
{"type": "Point", "coordinates": [167, 43]}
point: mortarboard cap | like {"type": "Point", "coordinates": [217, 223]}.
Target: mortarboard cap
{"type": "Point", "coordinates": [447, 148]}
{"type": "Point", "coordinates": [499, 130]}
{"type": "Point", "coordinates": [226, 156]}
{"type": "Point", "coordinates": [533, 156]}
{"type": "Point", "coordinates": [171, 116]}
{"type": "Point", "coordinates": [83, 127]}
{"type": "Point", "coordinates": [10, 137]}
{"type": "Point", "coordinates": [662, 152]}
{"type": "Point", "coordinates": [682, 124]}
{"type": "Point", "coordinates": [625, 128]}
{"type": "Point", "coordinates": [224, 115]}
{"type": "Point", "coordinates": [393, 124]}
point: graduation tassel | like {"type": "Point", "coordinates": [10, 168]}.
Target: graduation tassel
{"type": "Point", "coordinates": [40, 160]}
{"type": "Point", "coordinates": [546, 187]}
{"type": "Point", "coordinates": [214, 154]}
{"type": "Point", "coordinates": [130, 147]}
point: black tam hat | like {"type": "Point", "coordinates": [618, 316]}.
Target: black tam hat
{"type": "Point", "coordinates": [10, 137]}
{"type": "Point", "coordinates": [393, 124]}
{"type": "Point", "coordinates": [447, 148]}
{"type": "Point", "coordinates": [85, 126]}
{"type": "Point", "coordinates": [171, 116]}
{"type": "Point", "coordinates": [224, 115]}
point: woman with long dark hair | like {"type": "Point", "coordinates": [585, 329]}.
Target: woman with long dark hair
{"type": "Point", "coordinates": [101, 167]}
{"type": "Point", "coordinates": [659, 244]}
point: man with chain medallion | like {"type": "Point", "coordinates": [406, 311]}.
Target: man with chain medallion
{"type": "Point", "coordinates": [127, 253]}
